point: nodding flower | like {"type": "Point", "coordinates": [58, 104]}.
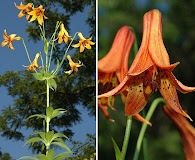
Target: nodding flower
{"type": "Point", "coordinates": [151, 71]}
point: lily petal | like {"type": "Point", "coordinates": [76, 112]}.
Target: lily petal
{"type": "Point", "coordinates": [141, 119]}
{"type": "Point", "coordinates": [169, 93]}
{"type": "Point", "coordinates": [121, 45]}
{"type": "Point", "coordinates": [136, 98]}
{"type": "Point", "coordinates": [182, 88]}
{"type": "Point", "coordinates": [186, 130]}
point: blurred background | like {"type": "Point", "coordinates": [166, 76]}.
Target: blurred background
{"type": "Point", "coordinates": [179, 38]}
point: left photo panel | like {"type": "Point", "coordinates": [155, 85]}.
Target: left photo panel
{"type": "Point", "coordinates": [48, 80]}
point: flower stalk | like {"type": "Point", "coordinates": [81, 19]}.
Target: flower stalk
{"type": "Point", "coordinates": [126, 137]}
{"type": "Point", "coordinates": [144, 126]}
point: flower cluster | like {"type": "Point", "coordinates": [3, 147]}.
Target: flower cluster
{"type": "Point", "coordinates": [150, 71]}
{"type": "Point", "coordinates": [33, 14]}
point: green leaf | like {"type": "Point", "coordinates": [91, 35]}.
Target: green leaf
{"type": "Point", "coordinates": [58, 112]}
{"type": "Point", "coordinates": [39, 76]}
{"type": "Point", "coordinates": [58, 135]}
{"type": "Point", "coordinates": [117, 150]}
{"type": "Point", "coordinates": [33, 140]}
{"type": "Point", "coordinates": [50, 154]}
{"type": "Point", "coordinates": [46, 46]}
{"type": "Point", "coordinates": [37, 115]}
{"type": "Point", "coordinates": [28, 158]}
{"type": "Point", "coordinates": [62, 145]}
{"type": "Point", "coordinates": [49, 136]}
{"type": "Point", "coordinates": [49, 113]}
{"type": "Point", "coordinates": [42, 135]}
{"type": "Point", "coordinates": [52, 84]}
{"type": "Point", "coordinates": [62, 156]}
{"type": "Point", "coordinates": [42, 156]}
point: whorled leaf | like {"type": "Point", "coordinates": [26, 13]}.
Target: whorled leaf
{"type": "Point", "coordinates": [52, 84]}
{"type": "Point", "coordinates": [62, 155]}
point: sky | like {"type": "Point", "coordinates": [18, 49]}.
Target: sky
{"type": "Point", "coordinates": [13, 61]}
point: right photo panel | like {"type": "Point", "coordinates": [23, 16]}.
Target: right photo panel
{"type": "Point", "coordinates": [146, 80]}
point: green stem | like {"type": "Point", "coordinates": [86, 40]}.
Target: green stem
{"type": "Point", "coordinates": [26, 50]}
{"type": "Point", "coordinates": [52, 40]}
{"type": "Point", "coordinates": [126, 138]}
{"type": "Point", "coordinates": [47, 125]}
{"type": "Point", "coordinates": [64, 57]}
{"type": "Point", "coordinates": [47, 93]}
{"type": "Point", "coordinates": [144, 126]}
{"type": "Point", "coordinates": [145, 150]}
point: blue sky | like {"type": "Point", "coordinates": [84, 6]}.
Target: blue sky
{"type": "Point", "coordinates": [13, 61]}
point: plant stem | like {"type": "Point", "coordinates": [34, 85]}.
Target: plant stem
{"type": "Point", "coordinates": [47, 121]}
{"type": "Point", "coordinates": [144, 126]}
{"type": "Point", "coordinates": [26, 49]}
{"type": "Point", "coordinates": [64, 57]}
{"type": "Point", "coordinates": [47, 125]}
{"type": "Point", "coordinates": [126, 138]}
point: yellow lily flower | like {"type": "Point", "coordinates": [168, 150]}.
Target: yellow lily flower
{"type": "Point", "coordinates": [38, 13]}
{"type": "Point", "coordinates": [25, 9]}
{"type": "Point", "coordinates": [63, 35]}
{"type": "Point", "coordinates": [8, 39]}
{"type": "Point", "coordinates": [34, 65]}
{"type": "Point", "coordinates": [83, 43]}
{"type": "Point", "coordinates": [74, 66]}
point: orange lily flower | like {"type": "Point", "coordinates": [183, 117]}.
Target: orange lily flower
{"type": "Point", "coordinates": [25, 9]}
{"type": "Point", "coordinates": [151, 71]}
{"type": "Point", "coordinates": [34, 65]}
{"type": "Point", "coordinates": [38, 13]}
{"type": "Point", "coordinates": [8, 39]}
{"type": "Point", "coordinates": [112, 69]}
{"type": "Point", "coordinates": [63, 35]}
{"type": "Point", "coordinates": [83, 43]}
{"type": "Point", "coordinates": [186, 130]}
{"type": "Point", "coordinates": [74, 66]}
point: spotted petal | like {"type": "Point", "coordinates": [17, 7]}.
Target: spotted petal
{"type": "Point", "coordinates": [169, 93]}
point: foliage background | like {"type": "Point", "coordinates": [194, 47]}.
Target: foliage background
{"type": "Point", "coordinates": [179, 37]}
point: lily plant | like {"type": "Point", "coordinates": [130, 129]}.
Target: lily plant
{"type": "Point", "coordinates": [149, 72]}
{"type": "Point", "coordinates": [46, 73]}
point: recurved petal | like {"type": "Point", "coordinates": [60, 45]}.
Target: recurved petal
{"type": "Point", "coordinates": [169, 93]}
{"type": "Point", "coordinates": [81, 36]}
{"type": "Point", "coordinates": [141, 119]}
{"type": "Point", "coordinates": [186, 130]}
{"type": "Point", "coordinates": [88, 46]}
{"type": "Point", "coordinates": [4, 43]}
{"type": "Point", "coordinates": [121, 87]}
{"type": "Point", "coordinates": [105, 112]}
{"type": "Point", "coordinates": [90, 42]}
{"type": "Point", "coordinates": [179, 86]}
{"type": "Point", "coordinates": [76, 45]}
{"type": "Point", "coordinates": [120, 47]}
